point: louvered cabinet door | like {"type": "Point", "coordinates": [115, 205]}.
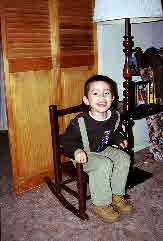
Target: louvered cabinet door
{"type": "Point", "coordinates": [77, 57]}
{"type": "Point", "coordinates": [76, 33]}
{"type": "Point", "coordinates": [26, 37]}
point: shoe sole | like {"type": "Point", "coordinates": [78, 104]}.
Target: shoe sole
{"type": "Point", "coordinates": [124, 212]}
{"type": "Point", "coordinates": [107, 220]}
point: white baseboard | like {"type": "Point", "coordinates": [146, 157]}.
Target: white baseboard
{"type": "Point", "coordinates": [140, 147]}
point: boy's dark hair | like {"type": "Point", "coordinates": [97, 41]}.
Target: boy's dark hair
{"type": "Point", "coordinates": [106, 79]}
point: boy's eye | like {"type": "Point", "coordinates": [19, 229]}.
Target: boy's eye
{"type": "Point", "coordinates": [107, 93]}
{"type": "Point", "coordinates": [95, 93]}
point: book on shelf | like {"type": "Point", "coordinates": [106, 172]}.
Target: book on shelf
{"type": "Point", "coordinates": [145, 92]}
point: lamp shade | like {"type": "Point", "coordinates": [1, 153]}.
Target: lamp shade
{"type": "Point", "coordinates": [137, 10]}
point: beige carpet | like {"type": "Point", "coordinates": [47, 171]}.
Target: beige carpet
{"type": "Point", "coordinates": [38, 216]}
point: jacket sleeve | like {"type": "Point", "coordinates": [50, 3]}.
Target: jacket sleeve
{"type": "Point", "coordinates": [71, 140]}
{"type": "Point", "coordinates": [119, 135]}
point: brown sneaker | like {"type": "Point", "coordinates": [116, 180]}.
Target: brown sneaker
{"type": "Point", "coordinates": [107, 213]}
{"type": "Point", "coordinates": [121, 204]}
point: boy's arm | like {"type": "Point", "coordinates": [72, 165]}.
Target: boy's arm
{"type": "Point", "coordinates": [70, 140]}
{"type": "Point", "coordinates": [119, 137]}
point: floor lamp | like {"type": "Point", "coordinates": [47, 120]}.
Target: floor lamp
{"type": "Point", "coordinates": [127, 12]}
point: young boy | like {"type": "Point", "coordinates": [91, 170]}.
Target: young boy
{"type": "Point", "coordinates": [90, 138]}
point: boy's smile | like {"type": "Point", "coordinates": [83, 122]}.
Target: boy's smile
{"type": "Point", "coordinates": [102, 104]}
{"type": "Point", "coordinates": [99, 99]}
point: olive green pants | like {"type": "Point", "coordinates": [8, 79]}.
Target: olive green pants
{"type": "Point", "coordinates": [107, 170]}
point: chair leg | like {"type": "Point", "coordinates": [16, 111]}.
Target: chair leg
{"type": "Point", "coordinates": [58, 180]}
{"type": "Point", "coordinates": [82, 188]}
{"type": "Point", "coordinates": [63, 200]}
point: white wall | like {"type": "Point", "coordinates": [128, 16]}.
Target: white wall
{"type": "Point", "coordinates": [111, 60]}
{"type": "Point", "coordinates": [157, 34]}
{"type": "Point", "coordinates": [111, 52]}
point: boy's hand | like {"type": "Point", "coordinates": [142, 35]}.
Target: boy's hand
{"type": "Point", "coordinates": [124, 144]}
{"type": "Point", "coordinates": [80, 156]}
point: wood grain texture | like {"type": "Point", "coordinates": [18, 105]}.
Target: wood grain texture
{"type": "Point", "coordinates": [55, 48]}
{"type": "Point", "coordinates": [72, 82]}
{"type": "Point", "coordinates": [30, 98]}
{"type": "Point", "coordinates": [26, 64]}
{"type": "Point", "coordinates": [76, 33]}
{"type": "Point", "coordinates": [28, 35]}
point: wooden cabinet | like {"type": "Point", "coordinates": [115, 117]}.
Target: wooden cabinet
{"type": "Point", "coordinates": [48, 53]}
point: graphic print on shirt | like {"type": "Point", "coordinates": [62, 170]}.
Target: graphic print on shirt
{"type": "Point", "coordinates": [104, 141]}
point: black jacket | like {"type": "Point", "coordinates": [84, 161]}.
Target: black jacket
{"type": "Point", "coordinates": [71, 139]}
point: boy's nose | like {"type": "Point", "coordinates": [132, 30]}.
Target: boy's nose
{"type": "Point", "coordinates": [102, 95]}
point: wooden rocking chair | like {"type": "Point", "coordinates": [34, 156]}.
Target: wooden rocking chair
{"type": "Point", "coordinates": [67, 168]}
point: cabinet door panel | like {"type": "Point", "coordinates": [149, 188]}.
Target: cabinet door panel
{"type": "Point", "coordinates": [72, 85]}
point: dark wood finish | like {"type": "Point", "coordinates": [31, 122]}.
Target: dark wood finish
{"type": "Point", "coordinates": [28, 36]}
{"type": "Point", "coordinates": [127, 84]}
{"type": "Point", "coordinates": [35, 64]}
{"type": "Point", "coordinates": [128, 44]}
{"type": "Point", "coordinates": [76, 60]}
{"type": "Point", "coordinates": [76, 34]}
{"type": "Point", "coordinates": [143, 111]}
{"type": "Point", "coordinates": [67, 168]}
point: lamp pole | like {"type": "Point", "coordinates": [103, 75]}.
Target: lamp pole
{"type": "Point", "coordinates": [127, 84]}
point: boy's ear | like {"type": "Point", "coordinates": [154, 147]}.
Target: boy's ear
{"type": "Point", "coordinates": [85, 100]}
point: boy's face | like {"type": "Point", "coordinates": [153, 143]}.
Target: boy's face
{"type": "Point", "coordinates": [99, 98]}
